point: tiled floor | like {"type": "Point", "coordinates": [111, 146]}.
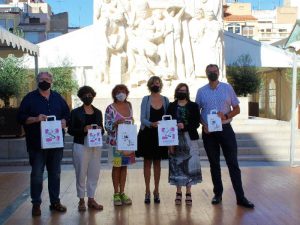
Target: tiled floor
{"type": "Point", "coordinates": [274, 190]}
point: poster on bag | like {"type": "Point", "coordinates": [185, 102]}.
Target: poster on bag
{"type": "Point", "coordinates": [51, 134]}
{"type": "Point", "coordinates": [127, 137]}
{"type": "Point", "coordinates": [214, 122]}
{"type": "Point", "coordinates": [167, 132]}
{"type": "Point", "coordinates": [94, 137]}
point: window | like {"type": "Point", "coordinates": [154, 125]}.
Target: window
{"type": "Point", "coordinates": [33, 37]}
{"type": "Point", "coordinates": [282, 30]}
{"type": "Point", "coordinates": [248, 31]}
{"type": "Point", "coordinates": [237, 30]}
{"type": "Point", "coordinates": [34, 20]}
{"type": "Point", "coordinates": [272, 99]}
{"type": "Point", "coordinates": [234, 28]}
{"type": "Point", "coordinates": [268, 30]}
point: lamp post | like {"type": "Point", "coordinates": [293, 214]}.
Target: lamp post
{"type": "Point", "coordinates": [293, 108]}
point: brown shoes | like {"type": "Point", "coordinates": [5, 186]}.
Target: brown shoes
{"type": "Point", "coordinates": [36, 210]}
{"type": "Point", "coordinates": [92, 204]}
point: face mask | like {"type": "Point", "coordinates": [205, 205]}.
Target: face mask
{"type": "Point", "coordinates": [44, 85]}
{"type": "Point", "coordinates": [212, 76]}
{"type": "Point", "coordinates": [87, 100]}
{"type": "Point", "coordinates": [155, 89]}
{"type": "Point", "coordinates": [180, 95]}
{"type": "Point", "coordinates": [121, 97]}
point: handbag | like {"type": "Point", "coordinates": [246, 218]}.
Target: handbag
{"type": "Point", "coordinates": [167, 132]}
{"type": "Point", "coordinates": [127, 136]}
{"type": "Point", "coordinates": [51, 133]}
{"type": "Point", "coordinates": [94, 136]}
{"type": "Point", "coordinates": [214, 122]}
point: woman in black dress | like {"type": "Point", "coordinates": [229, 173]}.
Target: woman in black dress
{"type": "Point", "coordinates": [153, 107]}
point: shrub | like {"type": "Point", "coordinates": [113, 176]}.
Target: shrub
{"type": "Point", "coordinates": [13, 78]}
{"type": "Point", "coordinates": [243, 76]}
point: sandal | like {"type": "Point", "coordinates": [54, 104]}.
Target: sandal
{"type": "Point", "coordinates": [92, 204]}
{"type": "Point", "coordinates": [81, 206]}
{"type": "Point", "coordinates": [156, 198]}
{"type": "Point", "coordinates": [178, 198]}
{"type": "Point", "coordinates": [58, 207]}
{"type": "Point", "coordinates": [188, 199]}
{"type": "Point", "coordinates": [147, 198]}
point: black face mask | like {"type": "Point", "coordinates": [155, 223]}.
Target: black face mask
{"type": "Point", "coordinates": [87, 100]}
{"type": "Point", "coordinates": [181, 95]}
{"type": "Point", "coordinates": [212, 76]}
{"type": "Point", "coordinates": [155, 89]}
{"type": "Point", "coordinates": [44, 85]}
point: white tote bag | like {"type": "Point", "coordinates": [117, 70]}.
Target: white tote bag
{"type": "Point", "coordinates": [167, 132]}
{"type": "Point", "coordinates": [214, 122]}
{"type": "Point", "coordinates": [127, 136]}
{"type": "Point", "coordinates": [94, 136]}
{"type": "Point", "coordinates": [51, 134]}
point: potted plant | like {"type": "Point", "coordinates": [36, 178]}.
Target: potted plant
{"type": "Point", "coordinates": [245, 80]}
{"type": "Point", "coordinates": [13, 82]}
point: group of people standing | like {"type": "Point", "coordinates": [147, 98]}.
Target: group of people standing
{"type": "Point", "coordinates": [184, 159]}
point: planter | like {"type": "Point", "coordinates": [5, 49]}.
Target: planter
{"type": "Point", "coordinates": [253, 109]}
{"type": "Point", "coordinates": [9, 126]}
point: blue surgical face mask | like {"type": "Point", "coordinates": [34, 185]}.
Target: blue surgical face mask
{"type": "Point", "coordinates": [121, 97]}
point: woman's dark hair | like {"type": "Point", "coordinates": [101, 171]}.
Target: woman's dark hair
{"type": "Point", "coordinates": [118, 88]}
{"type": "Point", "coordinates": [152, 80]}
{"type": "Point", "coordinates": [180, 85]}
{"type": "Point", "coordinates": [85, 90]}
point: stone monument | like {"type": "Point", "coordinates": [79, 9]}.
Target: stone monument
{"type": "Point", "coordinates": [171, 39]}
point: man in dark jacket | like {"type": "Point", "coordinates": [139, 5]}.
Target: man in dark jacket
{"type": "Point", "coordinates": [34, 108]}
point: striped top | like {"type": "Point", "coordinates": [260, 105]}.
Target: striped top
{"type": "Point", "coordinates": [222, 98]}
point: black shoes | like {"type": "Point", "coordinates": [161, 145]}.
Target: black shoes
{"type": "Point", "coordinates": [244, 202]}
{"type": "Point", "coordinates": [216, 200]}
{"type": "Point", "coordinates": [58, 207]}
{"type": "Point", "coordinates": [147, 198]}
{"type": "Point", "coordinates": [36, 210]}
{"type": "Point", "coordinates": [156, 198]}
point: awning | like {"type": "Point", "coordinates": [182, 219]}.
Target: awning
{"type": "Point", "coordinates": [12, 44]}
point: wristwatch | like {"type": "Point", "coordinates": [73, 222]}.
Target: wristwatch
{"type": "Point", "coordinates": [226, 116]}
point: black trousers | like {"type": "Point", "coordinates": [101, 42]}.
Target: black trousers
{"type": "Point", "coordinates": [227, 141]}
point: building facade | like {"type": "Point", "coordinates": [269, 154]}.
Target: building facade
{"type": "Point", "coordinates": [32, 19]}
{"type": "Point", "coordinates": [267, 26]}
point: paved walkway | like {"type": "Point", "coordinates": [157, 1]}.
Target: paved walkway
{"type": "Point", "coordinates": [274, 190]}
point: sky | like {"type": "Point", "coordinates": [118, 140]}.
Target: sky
{"type": "Point", "coordinates": [264, 4]}
{"type": "Point", "coordinates": [81, 11]}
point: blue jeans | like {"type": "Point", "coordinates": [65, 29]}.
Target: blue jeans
{"type": "Point", "coordinates": [38, 159]}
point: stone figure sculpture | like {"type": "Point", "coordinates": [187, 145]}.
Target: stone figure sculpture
{"type": "Point", "coordinates": [197, 30]}
{"type": "Point", "coordinates": [212, 44]}
{"type": "Point", "coordinates": [176, 42]}
{"type": "Point", "coordinates": [173, 40]}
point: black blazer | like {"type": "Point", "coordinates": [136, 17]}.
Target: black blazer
{"type": "Point", "coordinates": [193, 117]}
{"type": "Point", "coordinates": [77, 123]}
